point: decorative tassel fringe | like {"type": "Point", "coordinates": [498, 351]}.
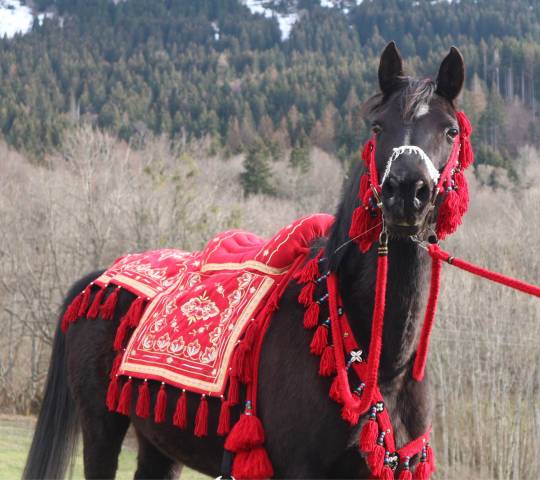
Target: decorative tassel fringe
{"type": "Point", "coordinates": [161, 405]}
{"type": "Point", "coordinates": [121, 333]}
{"type": "Point", "coordinates": [405, 474]}
{"type": "Point", "coordinates": [112, 394]}
{"type": "Point", "coordinates": [242, 363]}
{"type": "Point", "coordinates": [252, 464]}
{"type": "Point", "coordinates": [85, 301]}
{"type": "Point", "coordinates": [327, 366]}
{"type": "Point", "coordinates": [375, 460]}
{"type": "Point", "coordinates": [180, 413]}
{"type": "Point", "coordinates": [93, 311]}
{"type": "Point", "coordinates": [107, 309]}
{"type": "Point", "coordinates": [311, 317]}
{"type": "Point", "coordinates": [201, 419]}
{"type": "Point", "coordinates": [335, 393]}
{"type": "Point", "coordinates": [142, 409]}
{"type": "Point", "coordinates": [224, 423]}
{"type": "Point", "coordinates": [430, 458]}
{"type": "Point", "coordinates": [310, 270]}
{"type": "Point", "coordinates": [306, 294]}
{"type": "Point", "coordinates": [368, 436]}
{"type": "Point", "coordinates": [422, 472]}
{"type": "Point", "coordinates": [246, 434]}
{"type": "Point", "coordinates": [320, 340]}
{"type": "Point", "coordinates": [116, 365]}
{"type": "Point", "coordinates": [124, 404]}
{"type": "Point", "coordinates": [349, 416]}
{"type": "Point", "coordinates": [233, 395]}
{"type": "Point", "coordinates": [71, 313]}
{"type": "Point", "coordinates": [387, 473]}
{"type": "Point", "coordinates": [135, 312]}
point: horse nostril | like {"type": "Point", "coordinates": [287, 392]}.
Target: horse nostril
{"type": "Point", "coordinates": [390, 187]}
{"type": "Point", "coordinates": [422, 192]}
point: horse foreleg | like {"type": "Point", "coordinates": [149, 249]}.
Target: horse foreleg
{"type": "Point", "coordinates": [152, 463]}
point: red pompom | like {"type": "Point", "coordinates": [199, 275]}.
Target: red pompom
{"type": "Point", "coordinates": [161, 405]}
{"type": "Point", "coordinates": [375, 460]}
{"type": "Point", "coordinates": [93, 311]}
{"type": "Point", "coordinates": [107, 309]}
{"type": "Point", "coordinates": [387, 473]}
{"type": "Point", "coordinates": [422, 471]}
{"type": "Point", "coordinates": [124, 404]}
{"type": "Point", "coordinates": [224, 423]}
{"type": "Point", "coordinates": [180, 413]}
{"type": "Point", "coordinates": [306, 294]}
{"type": "Point", "coordinates": [319, 341]}
{"type": "Point", "coordinates": [112, 394]}
{"type": "Point", "coordinates": [201, 419]}
{"type": "Point", "coordinates": [142, 409]}
{"type": "Point", "coordinates": [311, 316]}
{"type": "Point", "coordinates": [252, 464]}
{"type": "Point", "coordinates": [405, 474]}
{"type": "Point", "coordinates": [368, 436]}
{"type": "Point", "coordinates": [85, 301]}
{"type": "Point", "coordinates": [327, 365]}
{"type": "Point", "coordinates": [246, 434]}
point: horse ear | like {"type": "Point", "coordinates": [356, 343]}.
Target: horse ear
{"type": "Point", "coordinates": [451, 75]}
{"type": "Point", "coordinates": [390, 68]}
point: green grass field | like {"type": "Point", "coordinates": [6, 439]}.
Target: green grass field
{"type": "Point", "coordinates": [16, 435]}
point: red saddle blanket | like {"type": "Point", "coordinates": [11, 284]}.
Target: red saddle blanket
{"type": "Point", "coordinates": [198, 304]}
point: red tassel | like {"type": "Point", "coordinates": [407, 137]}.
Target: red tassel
{"type": "Point", "coordinates": [233, 395]}
{"type": "Point", "coordinates": [405, 474]}
{"type": "Point", "coordinates": [121, 332]}
{"type": "Point", "coordinates": [375, 460]}
{"type": "Point", "coordinates": [310, 270]}
{"type": "Point", "coordinates": [368, 436]}
{"type": "Point", "coordinates": [335, 392]}
{"type": "Point", "coordinates": [224, 423]}
{"type": "Point", "coordinates": [201, 418]}
{"type": "Point", "coordinates": [311, 317]}
{"type": "Point", "coordinates": [70, 315]}
{"type": "Point", "coordinates": [180, 413]}
{"type": "Point", "coordinates": [107, 309]}
{"type": "Point", "coordinates": [124, 404]}
{"type": "Point", "coordinates": [250, 335]}
{"type": "Point", "coordinates": [319, 341]}
{"type": "Point", "coordinates": [252, 464]}
{"type": "Point", "coordinates": [349, 416]}
{"type": "Point", "coordinates": [242, 363]}
{"type": "Point", "coordinates": [85, 301]}
{"type": "Point", "coordinates": [93, 311]}
{"type": "Point", "coordinates": [112, 394]}
{"type": "Point", "coordinates": [430, 459]}
{"type": "Point", "coordinates": [422, 472]}
{"type": "Point", "coordinates": [116, 365]}
{"type": "Point", "coordinates": [246, 434]}
{"type": "Point", "coordinates": [327, 366]}
{"type": "Point", "coordinates": [142, 409]}
{"type": "Point", "coordinates": [161, 405]}
{"type": "Point", "coordinates": [135, 312]}
{"type": "Point", "coordinates": [306, 294]}
{"type": "Point", "coordinates": [387, 473]}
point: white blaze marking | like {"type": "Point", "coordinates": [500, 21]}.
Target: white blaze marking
{"type": "Point", "coordinates": [422, 110]}
{"type": "Point", "coordinates": [410, 149]}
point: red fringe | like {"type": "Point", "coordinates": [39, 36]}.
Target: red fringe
{"type": "Point", "coordinates": [405, 474]}
{"type": "Point", "coordinates": [335, 391]}
{"type": "Point", "coordinates": [349, 416]}
{"type": "Point", "coordinates": [327, 366]}
{"type": "Point", "coordinates": [124, 404]}
{"type": "Point", "coordinates": [246, 434]}
{"type": "Point", "coordinates": [224, 423]}
{"type": "Point", "coordinates": [112, 394]}
{"type": "Point", "coordinates": [306, 294]}
{"type": "Point", "coordinates": [387, 473]}
{"type": "Point", "coordinates": [93, 311]}
{"type": "Point", "coordinates": [311, 317]}
{"type": "Point", "coordinates": [252, 464]}
{"type": "Point", "coordinates": [250, 335]}
{"type": "Point", "coordinates": [107, 309]}
{"type": "Point", "coordinates": [375, 460]}
{"type": "Point", "coordinates": [121, 333]}
{"type": "Point", "coordinates": [70, 315]}
{"type": "Point", "coordinates": [142, 409]}
{"type": "Point", "coordinates": [85, 301]}
{"type": "Point", "coordinates": [368, 436]}
{"type": "Point", "coordinates": [242, 363]}
{"type": "Point", "coordinates": [201, 419]}
{"type": "Point", "coordinates": [180, 413]}
{"type": "Point", "coordinates": [422, 471]}
{"type": "Point", "coordinates": [319, 341]}
{"type": "Point", "coordinates": [135, 312]}
{"type": "Point", "coordinates": [161, 405]}
{"type": "Point", "coordinates": [116, 365]}
{"type": "Point", "coordinates": [233, 395]}
{"type": "Point", "coordinates": [310, 270]}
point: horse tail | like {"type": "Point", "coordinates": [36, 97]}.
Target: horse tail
{"type": "Point", "coordinates": [57, 427]}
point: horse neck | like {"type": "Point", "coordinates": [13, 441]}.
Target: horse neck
{"type": "Point", "coordinates": [408, 276]}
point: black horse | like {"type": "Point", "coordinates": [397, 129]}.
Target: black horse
{"type": "Point", "coordinates": [306, 438]}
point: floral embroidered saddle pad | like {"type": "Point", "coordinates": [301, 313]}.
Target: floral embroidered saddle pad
{"type": "Point", "coordinates": [198, 304]}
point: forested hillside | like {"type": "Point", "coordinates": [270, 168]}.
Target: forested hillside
{"type": "Point", "coordinates": [213, 68]}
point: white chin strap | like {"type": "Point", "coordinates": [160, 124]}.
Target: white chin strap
{"type": "Point", "coordinates": [409, 150]}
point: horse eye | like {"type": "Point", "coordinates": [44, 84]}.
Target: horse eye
{"type": "Point", "coordinates": [452, 132]}
{"type": "Point", "coordinates": [376, 128]}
